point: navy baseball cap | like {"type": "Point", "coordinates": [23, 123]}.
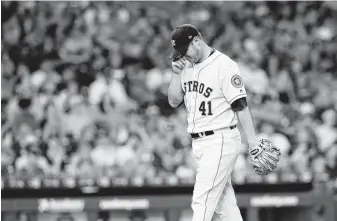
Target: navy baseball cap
{"type": "Point", "coordinates": [181, 37]}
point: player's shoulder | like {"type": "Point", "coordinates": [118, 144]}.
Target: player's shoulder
{"type": "Point", "coordinates": [225, 60]}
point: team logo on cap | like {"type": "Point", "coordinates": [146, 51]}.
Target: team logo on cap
{"type": "Point", "coordinates": [173, 42]}
{"type": "Point", "coordinates": [237, 81]}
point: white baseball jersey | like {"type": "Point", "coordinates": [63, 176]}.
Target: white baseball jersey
{"type": "Point", "coordinates": [209, 89]}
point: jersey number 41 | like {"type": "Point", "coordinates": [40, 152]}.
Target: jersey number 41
{"type": "Point", "coordinates": [205, 109]}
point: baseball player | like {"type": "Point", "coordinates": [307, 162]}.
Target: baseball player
{"type": "Point", "coordinates": [214, 95]}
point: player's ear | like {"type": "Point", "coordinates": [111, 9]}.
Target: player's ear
{"type": "Point", "coordinates": [197, 42]}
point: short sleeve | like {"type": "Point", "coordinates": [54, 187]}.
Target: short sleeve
{"type": "Point", "coordinates": [231, 83]}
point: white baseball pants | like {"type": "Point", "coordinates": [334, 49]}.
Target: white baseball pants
{"type": "Point", "coordinates": [213, 195]}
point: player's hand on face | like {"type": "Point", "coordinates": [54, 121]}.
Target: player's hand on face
{"type": "Point", "coordinates": [179, 65]}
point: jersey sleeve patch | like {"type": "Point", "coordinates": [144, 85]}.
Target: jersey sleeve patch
{"type": "Point", "coordinates": [236, 81]}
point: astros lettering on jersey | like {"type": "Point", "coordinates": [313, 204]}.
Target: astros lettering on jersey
{"type": "Point", "coordinates": [209, 89]}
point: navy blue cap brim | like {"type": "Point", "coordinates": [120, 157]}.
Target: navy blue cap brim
{"type": "Point", "coordinates": [181, 51]}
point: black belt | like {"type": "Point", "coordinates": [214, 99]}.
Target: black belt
{"type": "Point", "coordinates": [207, 133]}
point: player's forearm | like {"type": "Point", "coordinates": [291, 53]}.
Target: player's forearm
{"type": "Point", "coordinates": [247, 125]}
{"type": "Point", "coordinates": [175, 92]}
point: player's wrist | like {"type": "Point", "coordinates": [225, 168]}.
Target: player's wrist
{"type": "Point", "coordinates": [253, 141]}
{"type": "Point", "coordinates": [177, 72]}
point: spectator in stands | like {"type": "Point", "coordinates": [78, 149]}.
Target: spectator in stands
{"type": "Point", "coordinates": [268, 132]}
{"type": "Point", "coordinates": [8, 156]}
{"type": "Point", "coordinates": [20, 113]}
{"type": "Point", "coordinates": [81, 162]}
{"type": "Point", "coordinates": [327, 132]}
{"type": "Point", "coordinates": [319, 167]}
{"type": "Point", "coordinates": [331, 155]}
{"type": "Point", "coordinates": [31, 163]}
{"type": "Point", "coordinates": [56, 154]}
{"type": "Point", "coordinates": [304, 150]}
{"type": "Point", "coordinates": [104, 152]}
{"type": "Point", "coordinates": [255, 78]}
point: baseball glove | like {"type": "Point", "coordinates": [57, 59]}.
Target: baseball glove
{"type": "Point", "coordinates": [264, 157]}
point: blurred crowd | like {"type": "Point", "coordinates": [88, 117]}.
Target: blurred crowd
{"type": "Point", "coordinates": [84, 87]}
